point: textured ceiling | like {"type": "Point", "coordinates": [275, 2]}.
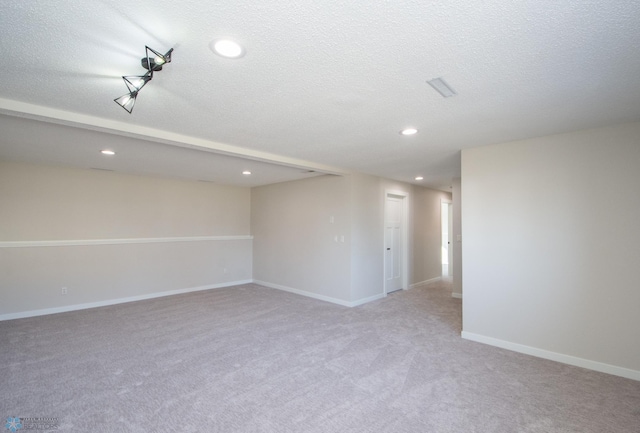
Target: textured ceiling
{"type": "Point", "coordinates": [324, 85]}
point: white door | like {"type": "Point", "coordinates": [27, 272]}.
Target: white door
{"type": "Point", "coordinates": [446, 222]}
{"type": "Point", "coordinates": [450, 241]}
{"type": "Point", "coordinates": [393, 243]}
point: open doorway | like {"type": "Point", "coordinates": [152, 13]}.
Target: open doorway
{"type": "Point", "coordinates": [446, 224]}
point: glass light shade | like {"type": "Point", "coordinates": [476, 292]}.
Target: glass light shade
{"type": "Point", "coordinates": [136, 82]}
{"type": "Point", "coordinates": [127, 101]}
{"type": "Point", "coordinates": [155, 60]}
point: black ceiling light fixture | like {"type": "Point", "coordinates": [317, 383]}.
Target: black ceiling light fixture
{"type": "Point", "coordinates": [152, 62]}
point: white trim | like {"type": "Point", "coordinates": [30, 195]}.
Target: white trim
{"type": "Point", "coordinates": [425, 282]}
{"type": "Point", "coordinates": [320, 297]}
{"type": "Point", "coordinates": [367, 300]}
{"type": "Point", "coordinates": [66, 308]}
{"type": "Point", "coordinates": [81, 242]}
{"type": "Point", "coordinates": [554, 356]}
{"type": "Point", "coordinates": [456, 295]}
{"type": "Point", "coordinates": [304, 293]}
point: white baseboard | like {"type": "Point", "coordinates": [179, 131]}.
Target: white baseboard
{"type": "Point", "coordinates": [320, 297]}
{"type": "Point", "coordinates": [66, 308]}
{"type": "Point", "coordinates": [366, 300]}
{"type": "Point", "coordinates": [456, 295]}
{"type": "Point", "coordinates": [425, 282]}
{"type": "Point", "coordinates": [554, 356]}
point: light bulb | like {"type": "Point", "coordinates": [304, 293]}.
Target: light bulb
{"type": "Point", "coordinates": [409, 131]}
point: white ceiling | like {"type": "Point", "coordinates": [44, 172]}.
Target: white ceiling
{"type": "Point", "coordinates": [325, 85]}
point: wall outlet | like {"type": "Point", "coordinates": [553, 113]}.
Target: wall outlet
{"type": "Point", "coordinates": [64, 291]}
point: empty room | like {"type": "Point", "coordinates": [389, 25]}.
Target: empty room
{"type": "Point", "coordinates": [244, 216]}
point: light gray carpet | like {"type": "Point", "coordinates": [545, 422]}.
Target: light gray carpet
{"type": "Point", "coordinates": [253, 359]}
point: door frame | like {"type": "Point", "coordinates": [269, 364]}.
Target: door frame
{"type": "Point", "coordinates": [404, 237]}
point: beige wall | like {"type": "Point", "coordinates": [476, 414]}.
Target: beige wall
{"type": "Point", "coordinates": [294, 238]}
{"type": "Point", "coordinates": [294, 227]}
{"type": "Point", "coordinates": [367, 237]}
{"type": "Point", "coordinates": [44, 203]}
{"type": "Point", "coordinates": [550, 251]}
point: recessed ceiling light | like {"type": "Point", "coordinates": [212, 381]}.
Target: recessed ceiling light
{"type": "Point", "coordinates": [227, 48]}
{"type": "Point", "coordinates": [246, 172]}
{"type": "Point", "coordinates": [409, 131]}
{"type": "Point", "coordinates": [107, 152]}
{"type": "Point", "coordinates": [419, 177]}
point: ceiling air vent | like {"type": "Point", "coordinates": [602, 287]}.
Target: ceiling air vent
{"type": "Point", "coordinates": [442, 87]}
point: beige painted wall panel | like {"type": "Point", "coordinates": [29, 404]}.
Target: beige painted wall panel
{"type": "Point", "coordinates": [32, 278]}
{"type": "Point", "coordinates": [294, 238]}
{"type": "Point", "coordinates": [44, 203]}
{"type": "Point", "coordinates": [367, 237]}
{"type": "Point", "coordinates": [53, 203]}
{"type": "Point", "coordinates": [552, 243]}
